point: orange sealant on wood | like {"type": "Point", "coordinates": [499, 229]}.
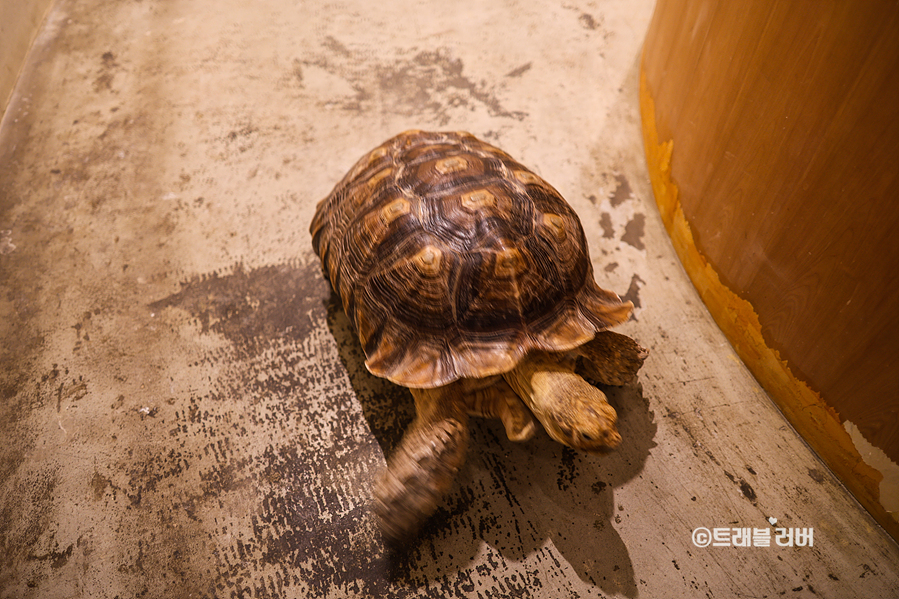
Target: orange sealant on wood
{"type": "Point", "coordinates": [818, 423]}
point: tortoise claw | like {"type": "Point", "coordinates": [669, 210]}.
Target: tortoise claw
{"type": "Point", "coordinates": [611, 358]}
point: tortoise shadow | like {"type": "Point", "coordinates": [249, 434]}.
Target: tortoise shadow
{"type": "Point", "coordinates": [512, 496]}
{"type": "Point", "coordinates": [388, 408]}
{"type": "Point", "coordinates": [568, 496]}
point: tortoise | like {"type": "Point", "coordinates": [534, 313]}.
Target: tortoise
{"type": "Point", "coordinates": [467, 279]}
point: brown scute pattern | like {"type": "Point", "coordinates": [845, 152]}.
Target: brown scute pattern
{"type": "Point", "coordinates": [453, 260]}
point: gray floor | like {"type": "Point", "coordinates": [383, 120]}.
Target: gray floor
{"type": "Point", "coordinates": [184, 411]}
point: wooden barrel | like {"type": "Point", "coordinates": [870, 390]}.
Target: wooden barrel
{"type": "Point", "coordinates": [772, 136]}
{"type": "Point", "coordinates": [20, 21]}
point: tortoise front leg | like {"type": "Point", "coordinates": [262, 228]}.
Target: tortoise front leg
{"type": "Point", "coordinates": [611, 358]}
{"type": "Point", "coordinates": [498, 400]}
{"type": "Point", "coordinates": [422, 469]}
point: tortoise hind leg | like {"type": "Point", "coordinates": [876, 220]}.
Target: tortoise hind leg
{"type": "Point", "coordinates": [611, 358]}
{"type": "Point", "coordinates": [422, 469]}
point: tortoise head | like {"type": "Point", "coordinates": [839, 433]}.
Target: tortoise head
{"type": "Point", "coordinates": [573, 412]}
{"type": "Point", "coordinates": [583, 421]}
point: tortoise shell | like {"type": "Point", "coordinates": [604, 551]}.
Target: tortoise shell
{"type": "Point", "coordinates": [454, 261]}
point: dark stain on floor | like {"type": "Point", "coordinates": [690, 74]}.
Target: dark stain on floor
{"type": "Point", "coordinates": [519, 71]}
{"type": "Point", "coordinates": [254, 306]}
{"type": "Point", "coordinates": [633, 291]}
{"type": "Point", "coordinates": [605, 223]}
{"type": "Point", "coordinates": [745, 488]}
{"type": "Point", "coordinates": [588, 22]}
{"type": "Point", "coordinates": [622, 191]}
{"type": "Point", "coordinates": [418, 82]}
{"type": "Point", "coordinates": [634, 231]}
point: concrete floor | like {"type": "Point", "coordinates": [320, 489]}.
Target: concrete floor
{"type": "Point", "coordinates": [184, 410]}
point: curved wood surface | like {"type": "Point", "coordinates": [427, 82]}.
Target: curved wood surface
{"type": "Point", "coordinates": [771, 131]}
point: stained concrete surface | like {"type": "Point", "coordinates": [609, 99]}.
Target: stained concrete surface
{"type": "Point", "coordinates": [184, 409]}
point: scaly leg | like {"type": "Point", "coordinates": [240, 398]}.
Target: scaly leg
{"type": "Point", "coordinates": [498, 400]}
{"type": "Point", "coordinates": [611, 358]}
{"type": "Point", "coordinates": [422, 469]}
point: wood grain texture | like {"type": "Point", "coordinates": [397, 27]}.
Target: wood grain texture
{"type": "Point", "coordinates": [784, 125]}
